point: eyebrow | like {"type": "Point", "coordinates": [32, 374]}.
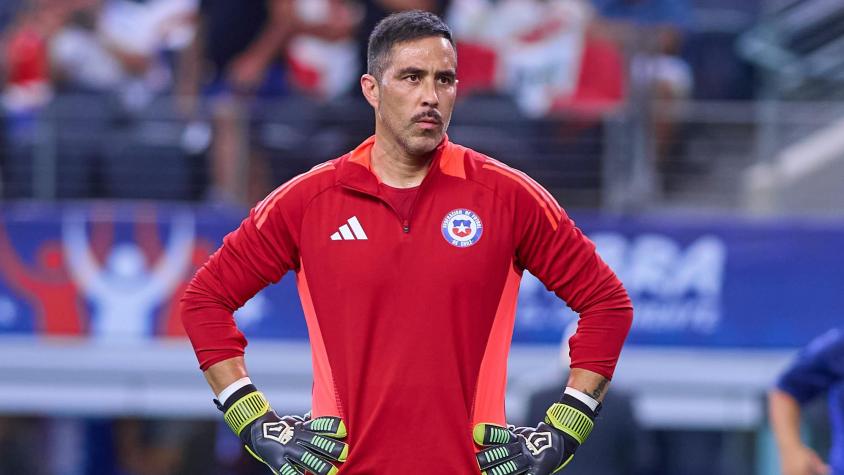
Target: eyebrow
{"type": "Point", "coordinates": [421, 72]}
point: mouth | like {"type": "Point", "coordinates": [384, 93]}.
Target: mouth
{"type": "Point", "coordinates": [428, 123]}
{"type": "Point", "coordinates": [428, 120]}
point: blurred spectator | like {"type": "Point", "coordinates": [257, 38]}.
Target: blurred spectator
{"type": "Point", "coordinates": [27, 73]}
{"type": "Point", "coordinates": [236, 56]}
{"type": "Point", "coordinates": [817, 370]}
{"type": "Point", "coordinates": [375, 10]}
{"type": "Point", "coordinates": [541, 52]}
{"type": "Point", "coordinates": [241, 49]}
{"type": "Point", "coordinates": [116, 46]}
{"type": "Point", "coordinates": [652, 33]}
{"type": "Point", "coordinates": [323, 54]}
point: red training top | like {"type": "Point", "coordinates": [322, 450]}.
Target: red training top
{"type": "Point", "coordinates": [410, 318]}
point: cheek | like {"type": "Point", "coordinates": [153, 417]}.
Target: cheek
{"type": "Point", "coordinates": [447, 100]}
{"type": "Point", "coordinates": [393, 109]}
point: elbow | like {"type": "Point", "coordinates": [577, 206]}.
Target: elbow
{"type": "Point", "coordinates": [199, 300]}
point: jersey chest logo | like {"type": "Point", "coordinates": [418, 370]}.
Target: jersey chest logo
{"type": "Point", "coordinates": [462, 228]}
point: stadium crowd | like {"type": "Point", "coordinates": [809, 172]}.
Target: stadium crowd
{"type": "Point", "coordinates": [228, 75]}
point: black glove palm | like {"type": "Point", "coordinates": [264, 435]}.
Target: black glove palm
{"type": "Point", "coordinates": [541, 450]}
{"type": "Point", "coordinates": [288, 445]}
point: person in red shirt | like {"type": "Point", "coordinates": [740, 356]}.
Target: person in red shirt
{"type": "Point", "coordinates": [408, 253]}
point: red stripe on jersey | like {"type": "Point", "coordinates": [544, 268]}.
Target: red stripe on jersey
{"type": "Point", "coordinates": [362, 153]}
{"type": "Point", "coordinates": [325, 401]}
{"type": "Point", "coordinates": [264, 207]}
{"type": "Point", "coordinates": [552, 202]}
{"type": "Point", "coordinates": [552, 212]}
{"type": "Point", "coordinates": [488, 405]}
{"type": "Point", "coordinates": [452, 162]}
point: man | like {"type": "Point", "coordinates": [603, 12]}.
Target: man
{"type": "Point", "coordinates": [818, 369]}
{"type": "Point", "coordinates": [242, 44]}
{"type": "Point", "coordinates": [408, 253]}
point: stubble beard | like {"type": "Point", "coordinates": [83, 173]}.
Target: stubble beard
{"type": "Point", "coordinates": [420, 143]}
{"type": "Point", "coordinates": [416, 143]}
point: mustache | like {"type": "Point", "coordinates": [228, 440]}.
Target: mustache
{"type": "Point", "coordinates": [429, 114]}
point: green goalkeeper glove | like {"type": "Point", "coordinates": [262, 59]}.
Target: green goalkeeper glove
{"type": "Point", "coordinates": [289, 445]}
{"type": "Point", "coordinates": [540, 450]}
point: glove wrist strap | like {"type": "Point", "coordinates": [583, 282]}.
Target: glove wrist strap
{"type": "Point", "coordinates": [245, 408]}
{"type": "Point", "coordinates": [571, 417]}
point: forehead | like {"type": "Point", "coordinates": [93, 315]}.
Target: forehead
{"type": "Point", "coordinates": [433, 52]}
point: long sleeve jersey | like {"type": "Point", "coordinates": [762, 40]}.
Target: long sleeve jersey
{"type": "Point", "coordinates": [410, 318]}
{"type": "Point", "coordinates": [819, 369]}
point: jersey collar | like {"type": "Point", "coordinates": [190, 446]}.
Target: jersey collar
{"type": "Point", "coordinates": [355, 169]}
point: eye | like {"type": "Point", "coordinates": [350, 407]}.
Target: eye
{"type": "Point", "coordinates": [412, 77]}
{"type": "Point", "coordinates": [446, 80]}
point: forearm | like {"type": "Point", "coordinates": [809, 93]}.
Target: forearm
{"type": "Point", "coordinates": [279, 28]}
{"type": "Point", "coordinates": [189, 64]}
{"type": "Point", "coordinates": [267, 46]}
{"type": "Point", "coordinates": [601, 333]}
{"type": "Point", "coordinates": [784, 413]}
{"type": "Point", "coordinates": [221, 375]}
{"type": "Point", "coordinates": [588, 382]}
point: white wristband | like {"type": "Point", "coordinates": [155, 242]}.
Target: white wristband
{"type": "Point", "coordinates": [582, 397]}
{"type": "Point", "coordinates": [231, 388]}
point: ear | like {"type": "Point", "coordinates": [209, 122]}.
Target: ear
{"type": "Point", "coordinates": [371, 89]}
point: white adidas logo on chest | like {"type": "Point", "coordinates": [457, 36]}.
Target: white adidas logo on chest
{"type": "Point", "coordinates": [351, 231]}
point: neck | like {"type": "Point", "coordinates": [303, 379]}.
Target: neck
{"type": "Point", "coordinates": [395, 167]}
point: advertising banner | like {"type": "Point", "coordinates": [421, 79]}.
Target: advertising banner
{"type": "Point", "coordinates": [117, 271]}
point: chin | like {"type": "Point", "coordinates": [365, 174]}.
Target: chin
{"type": "Point", "coordinates": [425, 144]}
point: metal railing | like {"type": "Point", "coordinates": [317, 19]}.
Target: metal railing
{"type": "Point", "coordinates": [634, 158]}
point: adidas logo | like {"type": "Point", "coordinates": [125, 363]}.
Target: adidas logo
{"type": "Point", "coordinates": [351, 231]}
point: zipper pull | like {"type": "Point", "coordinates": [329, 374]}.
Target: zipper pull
{"type": "Point", "coordinates": [405, 226]}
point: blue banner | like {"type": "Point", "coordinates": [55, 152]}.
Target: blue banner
{"type": "Point", "coordinates": [724, 282]}
{"type": "Point", "coordinates": [117, 271]}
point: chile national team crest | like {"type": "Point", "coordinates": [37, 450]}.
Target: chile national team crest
{"type": "Point", "coordinates": [462, 228]}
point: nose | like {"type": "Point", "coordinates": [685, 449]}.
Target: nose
{"type": "Point", "coordinates": [429, 95]}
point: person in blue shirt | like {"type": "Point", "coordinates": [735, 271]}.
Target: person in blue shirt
{"type": "Point", "coordinates": [818, 369]}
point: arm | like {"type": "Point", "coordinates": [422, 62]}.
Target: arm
{"type": "Point", "coordinates": [553, 249]}
{"type": "Point", "coordinates": [588, 382]}
{"type": "Point", "coordinates": [250, 258]}
{"type": "Point", "coordinates": [558, 254]}
{"type": "Point", "coordinates": [170, 270]}
{"type": "Point", "coordinates": [246, 71]}
{"type": "Point", "coordinates": [795, 457]}
{"type": "Point", "coordinates": [258, 253]}
{"type": "Point", "coordinates": [83, 265]}
{"type": "Point", "coordinates": [189, 68]}
{"type": "Point", "coordinates": [221, 375]}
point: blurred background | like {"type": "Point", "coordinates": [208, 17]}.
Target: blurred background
{"type": "Point", "coordinates": [700, 143]}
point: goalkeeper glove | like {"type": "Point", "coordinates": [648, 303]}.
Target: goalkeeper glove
{"type": "Point", "coordinates": [289, 445]}
{"type": "Point", "coordinates": [540, 450]}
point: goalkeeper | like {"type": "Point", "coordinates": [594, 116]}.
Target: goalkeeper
{"type": "Point", "coordinates": [408, 253]}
